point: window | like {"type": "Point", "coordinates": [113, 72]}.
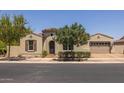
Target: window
{"type": "Point", "coordinates": [30, 45]}
{"type": "Point", "coordinates": [51, 34]}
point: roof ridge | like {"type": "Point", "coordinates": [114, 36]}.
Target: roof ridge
{"type": "Point", "coordinates": [102, 35]}
{"type": "Point", "coordinates": [36, 34]}
{"type": "Point", "coordinates": [122, 38]}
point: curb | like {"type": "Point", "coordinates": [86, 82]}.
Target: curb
{"type": "Point", "coordinates": [67, 62]}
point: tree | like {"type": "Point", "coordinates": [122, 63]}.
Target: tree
{"type": "Point", "coordinates": [12, 30]}
{"type": "Point", "coordinates": [72, 35]}
{"type": "Point", "coordinates": [80, 36]}
{"type": "Point", "coordinates": [2, 48]}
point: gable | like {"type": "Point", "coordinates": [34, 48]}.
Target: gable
{"type": "Point", "coordinates": [32, 36]}
{"type": "Point", "coordinates": [100, 37]}
{"type": "Point", "coordinates": [122, 38]}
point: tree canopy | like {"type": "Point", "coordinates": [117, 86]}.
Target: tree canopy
{"type": "Point", "coordinates": [12, 29]}
{"type": "Point", "coordinates": [74, 34]}
{"type": "Point", "coordinates": [2, 47]}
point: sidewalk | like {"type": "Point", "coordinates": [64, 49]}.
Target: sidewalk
{"type": "Point", "coordinates": [51, 61]}
{"type": "Point", "coordinates": [106, 59]}
{"type": "Point", "coordinates": [89, 59]}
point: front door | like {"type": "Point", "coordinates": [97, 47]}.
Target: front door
{"type": "Point", "coordinates": [52, 47]}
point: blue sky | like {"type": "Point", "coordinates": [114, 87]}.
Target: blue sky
{"type": "Point", "coordinates": [106, 22]}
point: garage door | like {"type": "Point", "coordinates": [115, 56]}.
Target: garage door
{"type": "Point", "coordinates": [100, 47]}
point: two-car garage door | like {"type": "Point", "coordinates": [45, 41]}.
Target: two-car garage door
{"type": "Point", "coordinates": [100, 47]}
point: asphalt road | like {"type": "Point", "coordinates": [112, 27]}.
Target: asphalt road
{"type": "Point", "coordinates": [61, 73]}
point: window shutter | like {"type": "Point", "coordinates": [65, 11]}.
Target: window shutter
{"type": "Point", "coordinates": [35, 45]}
{"type": "Point", "coordinates": [26, 45]}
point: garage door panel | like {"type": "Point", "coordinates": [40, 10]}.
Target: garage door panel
{"type": "Point", "coordinates": [99, 49]}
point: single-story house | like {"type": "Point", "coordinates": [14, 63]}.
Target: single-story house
{"type": "Point", "coordinates": [34, 44]}
{"type": "Point", "coordinates": [118, 46]}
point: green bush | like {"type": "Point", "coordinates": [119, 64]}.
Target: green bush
{"type": "Point", "coordinates": [73, 54]}
{"type": "Point", "coordinates": [87, 54]}
{"type": "Point", "coordinates": [44, 53]}
{"type": "Point", "coordinates": [79, 54]}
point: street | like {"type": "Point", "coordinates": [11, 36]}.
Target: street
{"type": "Point", "coordinates": [61, 73]}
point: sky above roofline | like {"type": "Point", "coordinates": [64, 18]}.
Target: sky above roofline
{"type": "Point", "coordinates": [108, 22]}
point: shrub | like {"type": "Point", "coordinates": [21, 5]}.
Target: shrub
{"type": "Point", "coordinates": [73, 54]}
{"type": "Point", "coordinates": [79, 54]}
{"type": "Point", "coordinates": [87, 54]}
{"type": "Point", "coordinates": [44, 53]}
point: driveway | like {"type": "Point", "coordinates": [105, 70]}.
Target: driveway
{"type": "Point", "coordinates": [61, 73]}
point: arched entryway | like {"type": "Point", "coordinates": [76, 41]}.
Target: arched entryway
{"type": "Point", "coordinates": [52, 47]}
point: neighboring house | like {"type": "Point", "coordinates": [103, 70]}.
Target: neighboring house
{"type": "Point", "coordinates": [118, 46]}
{"type": "Point", "coordinates": [34, 44]}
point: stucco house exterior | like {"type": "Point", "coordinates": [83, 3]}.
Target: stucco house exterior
{"type": "Point", "coordinates": [118, 46]}
{"type": "Point", "coordinates": [34, 44]}
{"type": "Point", "coordinates": [29, 45]}
{"type": "Point", "coordinates": [100, 43]}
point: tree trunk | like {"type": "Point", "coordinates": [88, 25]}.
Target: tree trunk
{"type": "Point", "coordinates": [9, 52]}
{"type": "Point", "coordinates": [72, 57]}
